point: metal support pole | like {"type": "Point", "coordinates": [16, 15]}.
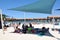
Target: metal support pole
{"type": "Point", "coordinates": [24, 18]}
{"type": "Point", "coordinates": [53, 22]}
{"type": "Point", "coordinates": [2, 22]}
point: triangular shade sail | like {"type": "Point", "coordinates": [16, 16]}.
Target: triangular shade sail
{"type": "Point", "coordinates": [41, 6]}
{"type": "Point", "coordinates": [57, 9]}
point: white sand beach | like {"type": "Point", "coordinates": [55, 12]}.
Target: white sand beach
{"type": "Point", "coordinates": [55, 33]}
{"type": "Point", "coordinates": [20, 36]}
{"type": "Point", "coordinates": [16, 36]}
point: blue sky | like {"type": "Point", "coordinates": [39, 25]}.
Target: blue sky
{"type": "Point", "coordinates": [7, 4]}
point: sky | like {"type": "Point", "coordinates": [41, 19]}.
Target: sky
{"type": "Point", "coordinates": [7, 4]}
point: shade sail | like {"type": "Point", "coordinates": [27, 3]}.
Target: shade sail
{"type": "Point", "coordinates": [41, 6]}
{"type": "Point", "coordinates": [57, 9]}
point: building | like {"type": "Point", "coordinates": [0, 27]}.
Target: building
{"type": "Point", "coordinates": [49, 19]}
{"type": "Point", "coordinates": [55, 18]}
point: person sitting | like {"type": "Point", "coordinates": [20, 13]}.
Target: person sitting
{"type": "Point", "coordinates": [43, 31]}
{"type": "Point", "coordinates": [30, 25]}
{"type": "Point", "coordinates": [5, 27]}
{"type": "Point", "coordinates": [47, 30]}
{"type": "Point", "coordinates": [24, 28]}
{"type": "Point", "coordinates": [17, 30]}
{"type": "Point", "coordinates": [29, 29]}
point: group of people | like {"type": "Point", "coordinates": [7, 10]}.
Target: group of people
{"type": "Point", "coordinates": [28, 29]}
{"type": "Point", "coordinates": [25, 28]}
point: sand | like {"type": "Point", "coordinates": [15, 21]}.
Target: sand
{"type": "Point", "coordinates": [20, 36]}
{"type": "Point", "coordinates": [17, 36]}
